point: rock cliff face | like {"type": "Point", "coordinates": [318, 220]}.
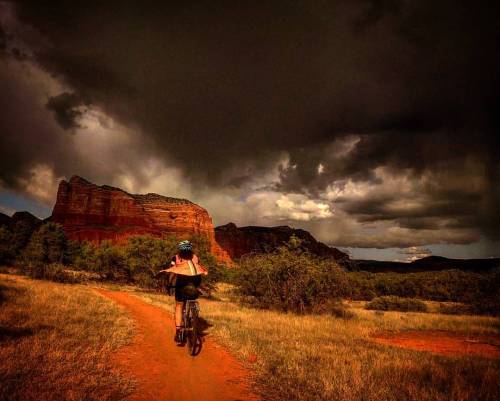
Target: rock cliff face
{"type": "Point", "coordinates": [237, 241]}
{"type": "Point", "coordinates": [95, 213]}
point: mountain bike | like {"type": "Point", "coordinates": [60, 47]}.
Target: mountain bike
{"type": "Point", "coordinates": [190, 330]}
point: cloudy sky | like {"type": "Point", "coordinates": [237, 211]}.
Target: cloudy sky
{"type": "Point", "coordinates": [369, 123]}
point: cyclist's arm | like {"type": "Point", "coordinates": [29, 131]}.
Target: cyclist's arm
{"type": "Point", "coordinates": [172, 263]}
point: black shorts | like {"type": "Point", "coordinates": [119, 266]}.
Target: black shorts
{"type": "Point", "coordinates": [181, 292]}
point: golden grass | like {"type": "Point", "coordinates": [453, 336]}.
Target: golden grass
{"type": "Point", "coordinates": [326, 358]}
{"type": "Point", "coordinates": [56, 342]}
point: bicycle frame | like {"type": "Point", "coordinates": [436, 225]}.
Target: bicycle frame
{"type": "Point", "coordinates": [188, 306]}
{"type": "Point", "coordinates": [189, 331]}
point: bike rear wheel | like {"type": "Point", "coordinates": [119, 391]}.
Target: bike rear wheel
{"type": "Point", "coordinates": [192, 330]}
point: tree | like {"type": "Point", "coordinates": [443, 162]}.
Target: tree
{"type": "Point", "coordinates": [110, 261]}
{"type": "Point", "coordinates": [46, 245]}
{"type": "Point", "coordinates": [148, 255]}
{"type": "Point", "coordinates": [21, 234]}
{"type": "Point", "coordinates": [6, 249]}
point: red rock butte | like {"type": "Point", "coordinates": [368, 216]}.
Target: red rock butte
{"type": "Point", "coordinates": [96, 213]}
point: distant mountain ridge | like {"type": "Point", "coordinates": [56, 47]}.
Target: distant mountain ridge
{"type": "Point", "coordinates": [19, 218]}
{"type": "Point", "coordinates": [429, 263]}
{"type": "Point", "coordinates": [238, 241]}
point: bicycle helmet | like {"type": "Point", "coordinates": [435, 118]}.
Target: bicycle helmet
{"type": "Point", "coordinates": [185, 246]}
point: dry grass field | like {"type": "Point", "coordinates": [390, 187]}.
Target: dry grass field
{"type": "Point", "coordinates": [56, 342]}
{"type": "Point", "coordinates": [327, 358]}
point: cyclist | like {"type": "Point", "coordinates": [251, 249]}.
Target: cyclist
{"type": "Point", "coordinates": [185, 273]}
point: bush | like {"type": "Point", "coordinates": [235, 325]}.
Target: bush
{"type": "Point", "coordinates": [146, 255]}
{"type": "Point", "coordinates": [6, 251]}
{"type": "Point", "coordinates": [337, 309]}
{"type": "Point", "coordinates": [140, 259]}
{"type": "Point", "coordinates": [455, 309]}
{"type": "Point", "coordinates": [83, 255]}
{"type": "Point", "coordinates": [110, 262]}
{"type": "Point", "coordinates": [393, 303]}
{"type": "Point", "coordinates": [53, 272]}
{"type": "Point", "coordinates": [290, 280]}
{"type": "Point", "coordinates": [22, 231]}
{"type": "Point", "coordinates": [478, 290]}
{"type": "Point", "coordinates": [487, 300]}
{"type": "Point", "coordinates": [46, 245]}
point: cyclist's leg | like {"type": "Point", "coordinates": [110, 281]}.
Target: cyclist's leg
{"type": "Point", "coordinates": [178, 314]}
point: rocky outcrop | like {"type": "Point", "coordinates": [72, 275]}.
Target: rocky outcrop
{"type": "Point", "coordinates": [238, 241]}
{"type": "Point", "coordinates": [96, 213]}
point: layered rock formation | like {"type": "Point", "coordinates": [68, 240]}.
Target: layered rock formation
{"type": "Point", "coordinates": [238, 241]}
{"type": "Point", "coordinates": [95, 213]}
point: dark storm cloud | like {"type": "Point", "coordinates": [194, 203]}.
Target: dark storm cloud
{"type": "Point", "coordinates": [67, 109]}
{"type": "Point", "coordinates": [222, 88]}
{"type": "Point", "coordinates": [239, 78]}
{"type": "Point", "coordinates": [424, 216]}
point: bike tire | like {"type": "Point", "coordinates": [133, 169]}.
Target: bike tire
{"type": "Point", "coordinates": [193, 331]}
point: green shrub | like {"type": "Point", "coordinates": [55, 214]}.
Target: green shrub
{"type": "Point", "coordinates": [455, 309]}
{"type": "Point", "coordinates": [6, 250]}
{"type": "Point", "coordinates": [110, 262]}
{"type": "Point", "coordinates": [290, 280]}
{"type": "Point", "coordinates": [140, 259]}
{"type": "Point", "coordinates": [447, 285]}
{"type": "Point", "coordinates": [146, 255]}
{"type": "Point", "coordinates": [22, 231]}
{"type": "Point", "coordinates": [83, 255]}
{"type": "Point", "coordinates": [487, 300]}
{"type": "Point", "coordinates": [50, 271]}
{"type": "Point", "coordinates": [336, 308]}
{"type": "Point", "coordinates": [478, 290]}
{"type": "Point", "coordinates": [46, 245]}
{"type": "Point", "coordinates": [393, 303]}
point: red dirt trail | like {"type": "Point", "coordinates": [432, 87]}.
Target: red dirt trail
{"type": "Point", "coordinates": [164, 371]}
{"type": "Point", "coordinates": [443, 342]}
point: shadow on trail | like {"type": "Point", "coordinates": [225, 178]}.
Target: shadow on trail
{"type": "Point", "coordinates": [202, 326]}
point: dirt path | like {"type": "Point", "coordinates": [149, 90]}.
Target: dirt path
{"type": "Point", "coordinates": [443, 342]}
{"type": "Point", "coordinates": [164, 371]}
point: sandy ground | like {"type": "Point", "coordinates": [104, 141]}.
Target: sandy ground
{"type": "Point", "coordinates": [443, 342]}
{"type": "Point", "coordinates": [164, 371]}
